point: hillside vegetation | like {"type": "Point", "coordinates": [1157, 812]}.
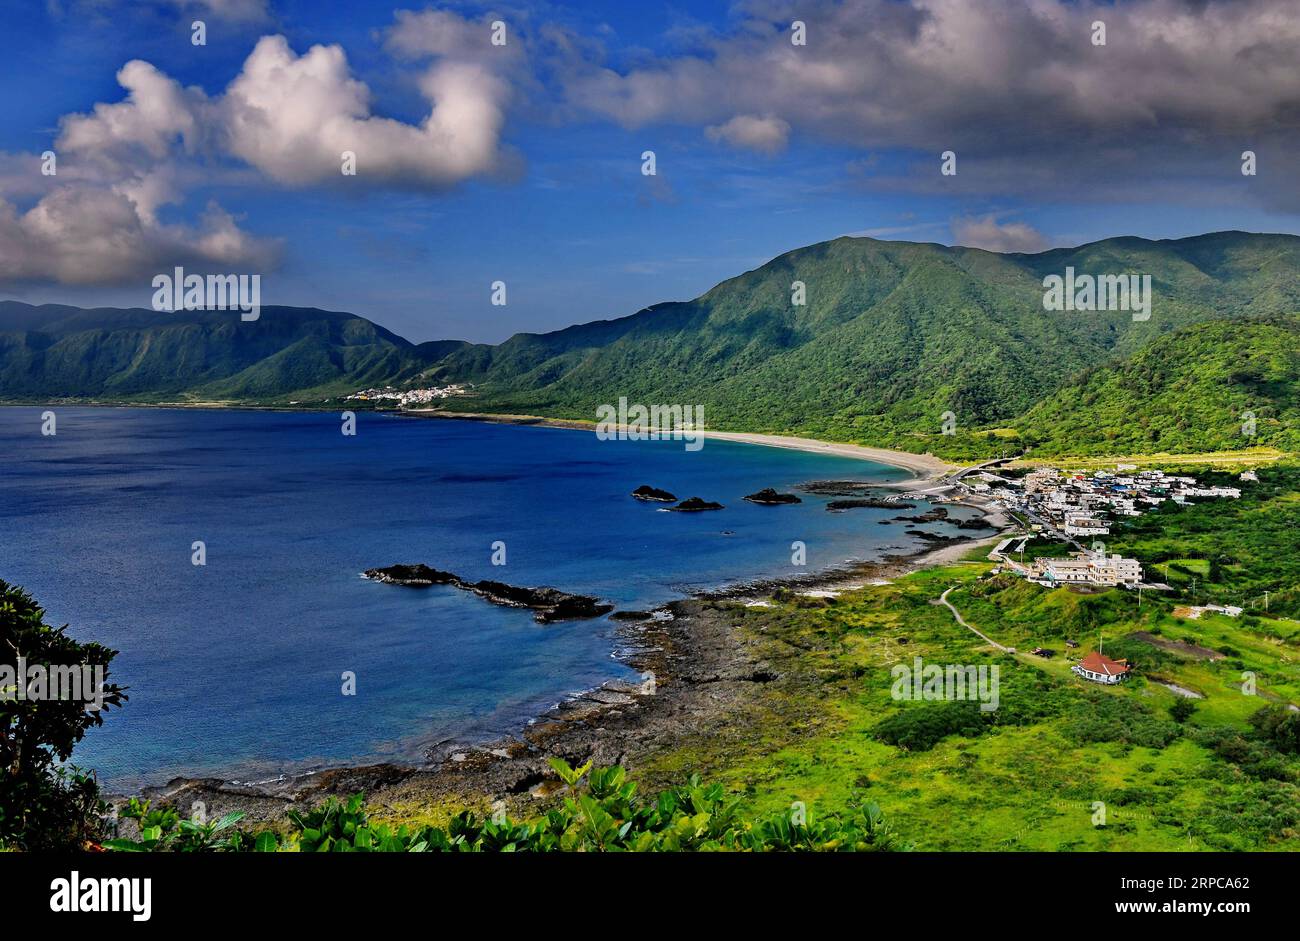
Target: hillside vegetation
{"type": "Point", "coordinates": [1061, 763]}
{"type": "Point", "coordinates": [55, 352]}
{"type": "Point", "coordinates": [893, 335]}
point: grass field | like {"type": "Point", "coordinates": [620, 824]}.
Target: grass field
{"type": "Point", "coordinates": [1036, 774]}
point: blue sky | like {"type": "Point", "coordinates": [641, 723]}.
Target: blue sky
{"type": "Point", "coordinates": [839, 142]}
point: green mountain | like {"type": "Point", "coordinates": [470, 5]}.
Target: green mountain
{"type": "Point", "coordinates": [65, 352]}
{"type": "Point", "coordinates": [892, 336]}
{"type": "Point", "coordinates": [1222, 385]}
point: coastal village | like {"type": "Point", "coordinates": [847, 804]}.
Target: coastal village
{"type": "Point", "coordinates": [1066, 507]}
{"type": "Point", "coordinates": [406, 398]}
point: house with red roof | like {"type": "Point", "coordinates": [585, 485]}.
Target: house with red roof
{"type": "Point", "coordinates": [1101, 669]}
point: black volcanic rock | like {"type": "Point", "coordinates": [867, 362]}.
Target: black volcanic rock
{"type": "Point", "coordinates": [769, 497]}
{"type": "Point", "coordinates": [874, 502]}
{"type": "Point", "coordinates": [932, 537]}
{"type": "Point", "coordinates": [929, 516]}
{"type": "Point", "coordinates": [412, 576]}
{"type": "Point", "coordinates": [653, 494]}
{"type": "Point", "coordinates": [548, 604]}
{"type": "Point", "coordinates": [977, 522]}
{"type": "Point", "coordinates": [695, 505]}
{"type": "Point", "coordinates": [838, 488]}
{"type": "Point", "coordinates": [631, 616]}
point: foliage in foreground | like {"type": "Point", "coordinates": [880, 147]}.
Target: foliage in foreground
{"type": "Point", "coordinates": [603, 814]}
{"type": "Point", "coordinates": [43, 803]}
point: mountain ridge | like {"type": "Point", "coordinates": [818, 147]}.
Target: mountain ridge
{"type": "Point", "coordinates": [892, 336]}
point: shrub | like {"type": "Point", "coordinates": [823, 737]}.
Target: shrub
{"type": "Point", "coordinates": [45, 805]}
{"type": "Point", "coordinates": [604, 815]}
{"type": "Point", "coordinates": [1182, 709]}
{"type": "Point", "coordinates": [1280, 726]}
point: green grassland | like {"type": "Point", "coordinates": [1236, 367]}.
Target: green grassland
{"type": "Point", "coordinates": [1027, 776]}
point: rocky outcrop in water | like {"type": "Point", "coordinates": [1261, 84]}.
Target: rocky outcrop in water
{"type": "Point", "coordinates": [413, 576]}
{"type": "Point", "coordinates": [838, 488]}
{"type": "Point", "coordinates": [769, 497]}
{"type": "Point", "coordinates": [932, 537]}
{"type": "Point", "coordinates": [695, 505]}
{"type": "Point", "coordinates": [653, 494]}
{"type": "Point", "coordinates": [631, 616]}
{"type": "Point", "coordinates": [547, 604]}
{"type": "Point", "coordinates": [873, 502]}
{"type": "Point", "coordinates": [929, 516]}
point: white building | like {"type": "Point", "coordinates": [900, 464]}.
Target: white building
{"type": "Point", "coordinates": [1101, 669]}
{"type": "Point", "coordinates": [1086, 568]}
{"type": "Point", "coordinates": [1078, 524]}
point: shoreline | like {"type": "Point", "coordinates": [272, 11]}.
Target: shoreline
{"type": "Point", "coordinates": [701, 672]}
{"type": "Point", "coordinates": [685, 645]}
{"type": "Point", "coordinates": [927, 467]}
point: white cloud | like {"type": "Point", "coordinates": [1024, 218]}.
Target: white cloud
{"type": "Point", "coordinates": [84, 235]}
{"type": "Point", "coordinates": [288, 117]}
{"type": "Point", "coordinates": [767, 135]}
{"type": "Point", "coordinates": [293, 116]}
{"type": "Point", "coordinates": [987, 233]}
{"type": "Point", "coordinates": [156, 114]}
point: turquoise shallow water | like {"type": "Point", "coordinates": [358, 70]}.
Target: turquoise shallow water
{"type": "Point", "coordinates": [235, 667]}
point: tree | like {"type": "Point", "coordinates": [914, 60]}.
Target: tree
{"type": "Point", "coordinates": [1182, 709]}
{"type": "Point", "coordinates": [1281, 726]}
{"type": "Point", "coordinates": [45, 804]}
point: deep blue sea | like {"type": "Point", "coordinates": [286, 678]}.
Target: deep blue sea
{"type": "Point", "coordinates": [235, 667]}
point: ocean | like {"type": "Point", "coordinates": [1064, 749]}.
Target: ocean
{"type": "Point", "coordinates": [236, 667]}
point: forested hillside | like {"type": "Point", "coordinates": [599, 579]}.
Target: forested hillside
{"type": "Point", "coordinates": [891, 336]}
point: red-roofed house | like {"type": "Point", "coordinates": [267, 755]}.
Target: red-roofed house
{"type": "Point", "coordinates": [1101, 669]}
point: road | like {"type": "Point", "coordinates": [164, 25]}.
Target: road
{"type": "Point", "coordinates": [948, 481]}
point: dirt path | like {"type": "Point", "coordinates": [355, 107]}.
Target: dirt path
{"type": "Point", "coordinates": [943, 599]}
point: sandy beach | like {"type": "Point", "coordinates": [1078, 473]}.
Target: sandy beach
{"type": "Point", "coordinates": [926, 467]}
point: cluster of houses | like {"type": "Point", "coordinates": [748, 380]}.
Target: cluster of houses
{"type": "Point", "coordinates": [1067, 506]}
{"type": "Point", "coordinates": [1072, 505]}
{"type": "Point", "coordinates": [405, 398]}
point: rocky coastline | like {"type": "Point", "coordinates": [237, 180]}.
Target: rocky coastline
{"type": "Point", "coordinates": [548, 604]}
{"type": "Point", "coordinates": [699, 674]}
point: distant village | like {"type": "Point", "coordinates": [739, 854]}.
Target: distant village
{"type": "Point", "coordinates": [405, 398]}
{"type": "Point", "coordinates": [1068, 506]}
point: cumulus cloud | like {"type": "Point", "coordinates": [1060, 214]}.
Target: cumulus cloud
{"type": "Point", "coordinates": [987, 233]}
{"type": "Point", "coordinates": [285, 117]}
{"type": "Point", "coordinates": [148, 124]}
{"type": "Point", "coordinates": [767, 135]}
{"type": "Point", "coordinates": [83, 235]}
{"type": "Point", "coordinates": [994, 81]}
{"type": "Point", "coordinates": [293, 116]}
